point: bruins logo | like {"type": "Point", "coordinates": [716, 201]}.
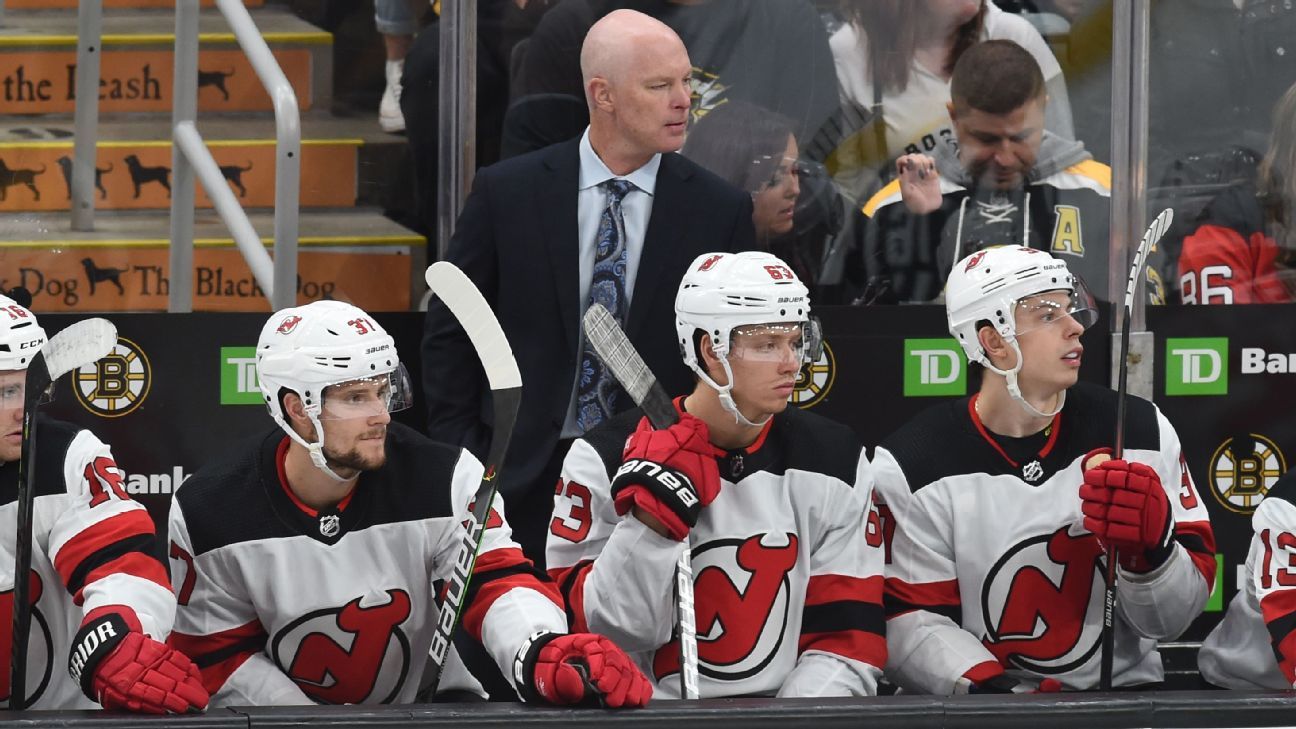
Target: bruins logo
{"type": "Point", "coordinates": [1242, 470]}
{"type": "Point", "coordinates": [116, 384]}
{"type": "Point", "coordinates": [815, 380]}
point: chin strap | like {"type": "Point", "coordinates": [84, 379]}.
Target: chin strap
{"type": "Point", "coordinates": [1014, 390]}
{"type": "Point", "coordinates": [725, 391]}
{"type": "Point", "coordinates": [316, 450]}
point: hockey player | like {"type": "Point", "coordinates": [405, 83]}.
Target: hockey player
{"type": "Point", "coordinates": [100, 597]}
{"type": "Point", "coordinates": [996, 578]}
{"type": "Point", "coordinates": [1254, 646]}
{"type": "Point", "coordinates": [774, 504]}
{"type": "Point", "coordinates": [306, 568]}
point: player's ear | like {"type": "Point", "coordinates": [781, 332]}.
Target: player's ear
{"type": "Point", "coordinates": [710, 361]}
{"type": "Point", "coordinates": [295, 410]}
{"type": "Point", "coordinates": [995, 346]}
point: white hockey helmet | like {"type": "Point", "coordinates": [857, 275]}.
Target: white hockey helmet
{"type": "Point", "coordinates": [988, 287]}
{"type": "Point", "coordinates": [306, 349]}
{"type": "Point", "coordinates": [20, 336]}
{"type": "Point", "coordinates": [721, 292]}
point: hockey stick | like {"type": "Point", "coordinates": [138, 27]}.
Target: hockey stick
{"type": "Point", "coordinates": [80, 344]}
{"type": "Point", "coordinates": [465, 302]}
{"type": "Point", "coordinates": [1150, 238]}
{"type": "Point", "coordinates": [620, 357]}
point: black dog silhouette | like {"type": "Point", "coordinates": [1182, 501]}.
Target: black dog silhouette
{"type": "Point", "coordinates": [140, 174]}
{"type": "Point", "coordinates": [65, 163]}
{"type": "Point", "coordinates": [216, 79]}
{"type": "Point", "coordinates": [98, 275]}
{"type": "Point", "coordinates": [10, 177]}
{"type": "Point", "coordinates": [234, 174]}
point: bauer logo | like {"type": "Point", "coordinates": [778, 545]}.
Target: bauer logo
{"type": "Point", "coordinates": [1243, 469]}
{"type": "Point", "coordinates": [116, 384]}
{"type": "Point", "coordinates": [238, 376]}
{"type": "Point", "coordinates": [1197, 366]}
{"type": "Point", "coordinates": [934, 367]}
{"type": "Point", "coordinates": [815, 380]}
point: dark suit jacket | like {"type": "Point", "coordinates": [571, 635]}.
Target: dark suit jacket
{"type": "Point", "coordinates": [517, 240]}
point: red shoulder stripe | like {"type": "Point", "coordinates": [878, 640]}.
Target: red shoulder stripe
{"type": "Point", "coordinates": [99, 536]}
{"type": "Point", "coordinates": [1199, 540]}
{"type": "Point", "coordinates": [135, 564]}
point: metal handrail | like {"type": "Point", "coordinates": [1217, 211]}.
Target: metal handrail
{"type": "Point", "coordinates": [86, 135]}
{"type": "Point", "coordinates": [190, 156]}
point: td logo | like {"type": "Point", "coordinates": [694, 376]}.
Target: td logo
{"type": "Point", "coordinates": [934, 367]}
{"type": "Point", "coordinates": [1197, 366]}
{"type": "Point", "coordinates": [238, 376]}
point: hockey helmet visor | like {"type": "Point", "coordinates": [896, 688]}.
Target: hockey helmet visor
{"type": "Point", "coordinates": [800, 341]}
{"type": "Point", "coordinates": [1050, 307]}
{"type": "Point", "coordinates": [366, 397]}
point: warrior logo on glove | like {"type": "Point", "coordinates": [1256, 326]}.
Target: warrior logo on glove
{"type": "Point", "coordinates": [1035, 599]}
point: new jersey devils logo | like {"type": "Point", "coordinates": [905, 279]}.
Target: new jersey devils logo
{"type": "Point", "coordinates": [742, 600]}
{"type": "Point", "coordinates": [39, 644]}
{"type": "Point", "coordinates": [348, 655]}
{"type": "Point", "coordinates": [709, 262]}
{"type": "Point", "coordinates": [288, 324]}
{"type": "Point", "coordinates": [1035, 600]}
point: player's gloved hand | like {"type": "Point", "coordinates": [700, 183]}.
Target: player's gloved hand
{"type": "Point", "coordinates": [578, 668]}
{"type": "Point", "coordinates": [1125, 505]}
{"type": "Point", "coordinates": [119, 666]}
{"type": "Point", "coordinates": [989, 678]}
{"type": "Point", "coordinates": [670, 474]}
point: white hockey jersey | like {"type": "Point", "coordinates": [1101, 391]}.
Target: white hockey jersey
{"type": "Point", "coordinates": [990, 564]}
{"type": "Point", "coordinates": [787, 564]}
{"type": "Point", "coordinates": [283, 604]}
{"type": "Point", "coordinates": [92, 547]}
{"type": "Point", "coordinates": [1254, 646]}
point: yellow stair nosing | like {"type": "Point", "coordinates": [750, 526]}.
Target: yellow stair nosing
{"type": "Point", "coordinates": [123, 143]}
{"type": "Point", "coordinates": [367, 241]}
{"type": "Point", "coordinates": [117, 39]}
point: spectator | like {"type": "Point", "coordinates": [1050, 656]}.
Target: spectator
{"type": "Point", "coordinates": [545, 233]}
{"type": "Point", "coordinates": [773, 54]}
{"type": "Point", "coordinates": [1244, 250]}
{"type": "Point", "coordinates": [753, 150]}
{"type": "Point", "coordinates": [1010, 182]}
{"type": "Point", "coordinates": [396, 20]}
{"type": "Point", "coordinates": [895, 58]}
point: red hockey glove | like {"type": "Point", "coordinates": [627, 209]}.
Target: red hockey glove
{"type": "Point", "coordinates": [578, 668]}
{"type": "Point", "coordinates": [989, 678]}
{"type": "Point", "coordinates": [671, 474]}
{"type": "Point", "coordinates": [119, 666]}
{"type": "Point", "coordinates": [1125, 505]}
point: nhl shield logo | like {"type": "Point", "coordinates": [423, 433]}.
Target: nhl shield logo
{"type": "Point", "coordinates": [329, 525]}
{"type": "Point", "coordinates": [1032, 472]}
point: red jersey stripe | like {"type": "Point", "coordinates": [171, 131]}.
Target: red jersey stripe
{"type": "Point", "coordinates": [824, 589]}
{"type": "Point", "coordinates": [135, 564]}
{"type": "Point", "coordinates": [98, 536]}
{"type": "Point", "coordinates": [857, 645]}
{"type": "Point", "coordinates": [219, 654]}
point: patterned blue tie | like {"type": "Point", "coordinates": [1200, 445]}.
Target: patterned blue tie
{"type": "Point", "coordinates": [596, 390]}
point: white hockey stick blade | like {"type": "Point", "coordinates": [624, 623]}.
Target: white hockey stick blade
{"type": "Point", "coordinates": [619, 356]}
{"type": "Point", "coordinates": [1154, 231]}
{"type": "Point", "coordinates": [458, 292]}
{"type": "Point", "coordinates": [79, 344]}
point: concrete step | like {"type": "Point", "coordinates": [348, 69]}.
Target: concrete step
{"type": "Point", "coordinates": [38, 63]}
{"type": "Point", "coordinates": [357, 256]}
{"type": "Point", "coordinates": [108, 4]}
{"type": "Point", "coordinates": [340, 158]}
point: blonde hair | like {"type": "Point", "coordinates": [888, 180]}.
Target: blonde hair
{"type": "Point", "coordinates": [1277, 180]}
